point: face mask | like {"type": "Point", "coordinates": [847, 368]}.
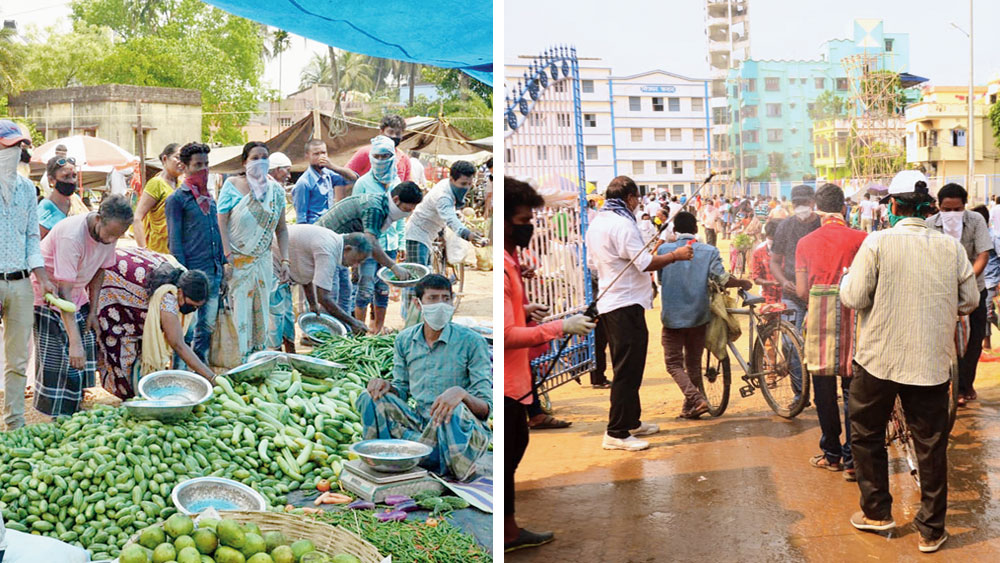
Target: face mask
{"type": "Point", "coordinates": [65, 188]}
{"type": "Point", "coordinates": [522, 234]}
{"type": "Point", "coordinates": [437, 315]}
{"type": "Point", "coordinates": [187, 309]}
{"type": "Point", "coordinates": [9, 158]}
{"type": "Point", "coordinates": [198, 179]}
{"type": "Point", "coordinates": [396, 140]}
{"type": "Point", "coordinates": [395, 214]}
{"type": "Point", "coordinates": [459, 194]}
{"type": "Point", "coordinates": [803, 212]}
{"type": "Point", "coordinates": [257, 177]}
{"type": "Point", "coordinates": [951, 223]}
{"type": "Point", "coordinates": [25, 156]}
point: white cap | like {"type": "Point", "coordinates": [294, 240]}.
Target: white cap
{"type": "Point", "coordinates": [278, 160]}
{"type": "Point", "coordinates": [905, 183]}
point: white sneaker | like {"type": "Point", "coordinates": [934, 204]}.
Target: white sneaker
{"type": "Point", "coordinates": [645, 429]}
{"type": "Point", "coordinates": [631, 444]}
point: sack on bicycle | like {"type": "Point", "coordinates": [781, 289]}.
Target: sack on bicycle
{"type": "Point", "coordinates": [724, 327]}
{"type": "Point", "coordinates": [828, 333]}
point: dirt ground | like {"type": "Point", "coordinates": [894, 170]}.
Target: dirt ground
{"type": "Point", "coordinates": [738, 487]}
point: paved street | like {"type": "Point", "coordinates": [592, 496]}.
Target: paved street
{"type": "Point", "coordinates": [738, 487]}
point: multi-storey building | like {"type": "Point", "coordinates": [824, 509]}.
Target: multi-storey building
{"type": "Point", "coordinates": [727, 28]}
{"type": "Point", "coordinates": [652, 127]}
{"type": "Point", "coordinates": [770, 101]}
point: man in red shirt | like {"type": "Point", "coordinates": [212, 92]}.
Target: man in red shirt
{"type": "Point", "coordinates": [760, 267]}
{"type": "Point", "coordinates": [391, 126]}
{"type": "Point", "coordinates": [820, 259]}
{"type": "Point", "coordinates": [520, 201]}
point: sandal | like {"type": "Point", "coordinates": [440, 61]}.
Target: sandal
{"type": "Point", "coordinates": [961, 400]}
{"type": "Point", "coordinates": [820, 461]}
{"type": "Point", "coordinates": [549, 422]}
{"type": "Point", "coordinates": [971, 396]}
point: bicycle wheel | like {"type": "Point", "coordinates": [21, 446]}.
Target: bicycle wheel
{"type": "Point", "coordinates": [776, 359]}
{"type": "Point", "coordinates": [953, 397]}
{"type": "Point", "coordinates": [904, 439]}
{"type": "Point", "coordinates": [714, 383]}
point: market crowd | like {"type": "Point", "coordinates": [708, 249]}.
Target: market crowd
{"type": "Point", "coordinates": [87, 305]}
{"type": "Point", "coordinates": [911, 275]}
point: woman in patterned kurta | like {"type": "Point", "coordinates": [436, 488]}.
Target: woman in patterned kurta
{"type": "Point", "coordinates": [123, 306]}
{"type": "Point", "coordinates": [251, 214]}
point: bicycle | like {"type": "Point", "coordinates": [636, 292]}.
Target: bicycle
{"type": "Point", "coordinates": [898, 434]}
{"type": "Point", "coordinates": [775, 348]}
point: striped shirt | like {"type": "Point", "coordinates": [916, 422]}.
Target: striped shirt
{"type": "Point", "coordinates": [909, 284]}
{"type": "Point", "coordinates": [357, 214]}
{"type": "Point", "coordinates": [19, 239]}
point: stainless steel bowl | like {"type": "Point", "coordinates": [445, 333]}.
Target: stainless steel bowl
{"type": "Point", "coordinates": [266, 354]}
{"type": "Point", "coordinates": [195, 495]}
{"type": "Point", "coordinates": [311, 323]}
{"type": "Point", "coordinates": [417, 273]}
{"type": "Point", "coordinates": [314, 367]}
{"type": "Point", "coordinates": [390, 456]}
{"type": "Point", "coordinates": [175, 385]}
{"type": "Point", "coordinates": [158, 410]}
{"type": "Point", "coordinates": [253, 371]}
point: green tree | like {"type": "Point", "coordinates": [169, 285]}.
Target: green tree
{"type": "Point", "coordinates": [11, 59]}
{"type": "Point", "coordinates": [60, 60]}
{"type": "Point", "coordinates": [450, 82]}
{"type": "Point", "coordinates": [355, 73]}
{"type": "Point", "coordinates": [316, 71]}
{"type": "Point", "coordinates": [995, 122]}
{"type": "Point", "coordinates": [828, 106]}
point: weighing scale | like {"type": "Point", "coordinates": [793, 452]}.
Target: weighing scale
{"type": "Point", "coordinates": [374, 486]}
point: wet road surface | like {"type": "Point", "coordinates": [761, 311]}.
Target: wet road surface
{"type": "Point", "coordinates": [738, 487]}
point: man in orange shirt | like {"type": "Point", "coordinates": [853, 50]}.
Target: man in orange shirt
{"type": "Point", "coordinates": [520, 200]}
{"type": "Point", "coordinates": [391, 126]}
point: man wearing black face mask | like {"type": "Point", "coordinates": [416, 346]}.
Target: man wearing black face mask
{"type": "Point", "coordinates": [391, 126]}
{"type": "Point", "coordinates": [61, 175]}
{"type": "Point", "coordinates": [520, 200]}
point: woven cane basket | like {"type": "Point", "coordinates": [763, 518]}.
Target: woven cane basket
{"type": "Point", "coordinates": [328, 539]}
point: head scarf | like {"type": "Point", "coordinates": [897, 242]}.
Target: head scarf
{"type": "Point", "coordinates": [257, 177]}
{"type": "Point", "coordinates": [9, 157]}
{"type": "Point", "coordinates": [197, 182]}
{"type": "Point", "coordinates": [383, 170]}
{"type": "Point", "coordinates": [615, 205]}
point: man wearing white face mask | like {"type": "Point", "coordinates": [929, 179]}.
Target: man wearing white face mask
{"type": "Point", "coordinates": [447, 370]}
{"type": "Point", "coordinates": [971, 230]}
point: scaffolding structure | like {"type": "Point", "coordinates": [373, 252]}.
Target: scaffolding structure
{"type": "Point", "coordinates": [877, 128]}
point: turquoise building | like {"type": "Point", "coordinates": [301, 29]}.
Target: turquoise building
{"type": "Point", "coordinates": [772, 112]}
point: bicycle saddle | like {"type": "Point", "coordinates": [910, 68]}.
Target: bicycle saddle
{"type": "Point", "coordinates": [751, 299]}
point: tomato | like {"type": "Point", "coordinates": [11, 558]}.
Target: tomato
{"type": "Point", "coordinates": [323, 485]}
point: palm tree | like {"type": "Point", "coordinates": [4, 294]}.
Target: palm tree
{"type": "Point", "coordinates": [280, 42]}
{"type": "Point", "coordinates": [11, 58]}
{"type": "Point", "coordinates": [317, 71]}
{"type": "Point", "coordinates": [355, 73]}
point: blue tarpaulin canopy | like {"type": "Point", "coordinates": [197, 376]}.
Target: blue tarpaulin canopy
{"type": "Point", "coordinates": [442, 33]}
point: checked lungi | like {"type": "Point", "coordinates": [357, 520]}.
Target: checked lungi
{"type": "Point", "coordinates": [458, 443]}
{"type": "Point", "coordinates": [58, 387]}
{"type": "Point", "coordinates": [415, 252]}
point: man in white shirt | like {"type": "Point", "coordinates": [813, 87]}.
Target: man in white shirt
{"type": "Point", "coordinates": [614, 242]}
{"type": "Point", "coordinates": [710, 220]}
{"type": "Point", "coordinates": [868, 208]}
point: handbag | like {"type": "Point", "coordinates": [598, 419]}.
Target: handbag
{"type": "Point", "coordinates": [723, 327]}
{"type": "Point", "coordinates": [827, 325]}
{"type": "Point", "coordinates": [224, 353]}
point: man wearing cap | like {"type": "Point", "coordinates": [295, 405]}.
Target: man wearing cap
{"type": "Point", "coordinates": [908, 284]}
{"type": "Point", "coordinates": [279, 167]}
{"type": "Point", "coordinates": [20, 256]}
{"type": "Point", "coordinates": [322, 184]}
{"type": "Point", "coordinates": [969, 228]}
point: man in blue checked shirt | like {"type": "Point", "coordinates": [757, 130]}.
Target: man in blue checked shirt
{"type": "Point", "coordinates": [322, 184]}
{"type": "Point", "coordinates": [446, 369]}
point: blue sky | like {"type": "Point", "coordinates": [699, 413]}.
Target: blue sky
{"type": "Point", "coordinates": [633, 36]}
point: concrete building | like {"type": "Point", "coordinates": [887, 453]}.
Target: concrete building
{"type": "Point", "coordinates": [652, 127]}
{"type": "Point", "coordinates": [112, 111]}
{"type": "Point", "coordinates": [936, 128]}
{"type": "Point", "coordinates": [772, 107]}
{"type": "Point", "coordinates": [727, 29]}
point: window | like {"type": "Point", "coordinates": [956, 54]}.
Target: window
{"type": "Point", "coordinates": [565, 152]}
{"type": "Point", "coordinates": [588, 86]}
{"type": "Point", "coordinates": [809, 108]}
{"type": "Point", "coordinates": [750, 161]}
{"type": "Point", "coordinates": [791, 105]}
{"type": "Point", "coordinates": [820, 83]}
{"type": "Point", "coordinates": [560, 86]}
{"type": "Point", "coordinates": [509, 154]}
{"type": "Point", "coordinates": [751, 136]}
{"type": "Point", "coordinates": [810, 134]}
{"type": "Point", "coordinates": [678, 166]}
{"type": "Point", "coordinates": [285, 121]}
{"type": "Point", "coordinates": [678, 189]}
{"type": "Point", "coordinates": [638, 167]}
{"type": "Point", "coordinates": [697, 104]}
{"type": "Point", "coordinates": [542, 153]}
{"type": "Point", "coordinates": [634, 103]}
{"type": "Point", "coordinates": [563, 119]}
{"type": "Point", "coordinates": [657, 104]}
{"type": "Point", "coordinates": [749, 111]}
{"type": "Point", "coordinates": [791, 82]}
{"type": "Point", "coordinates": [674, 104]}
{"type": "Point", "coordinates": [719, 116]}
{"type": "Point", "coordinates": [699, 167]}
{"type": "Point", "coordinates": [751, 85]}
{"type": "Point", "coordinates": [772, 84]}
{"type": "Point", "coordinates": [591, 152]}
{"type": "Point", "coordinates": [537, 118]}
{"type": "Point", "coordinates": [774, 135]}
{"type": "Point", "coordinates": [699, 135]}
{"type": "Point", "coordinates": [636, 134]}
{"type": "Point", "coordinates": [802, 81]}
{"type": "Point", "coordinates": [590, 120]}
{"type": "Point", "coordinates": [675, 135]}
{"type": "Point", "coordinates": [841, 84]}
{"type": "Point", "coordinates": [662, 167]}
{"type": "Point", "coordinates": [888, 45]}
{"type": "Point", "coordinates": [958, 137]}
{"type": "Point", "coordinates": [773, 159]}
{"type": "Point", "coordinates": [774, 110]}
{"type": "Point", "coordinates": [659, 134]}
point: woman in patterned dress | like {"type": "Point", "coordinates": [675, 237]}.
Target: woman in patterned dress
{"type": "Point", "coordinates": [129, 286]}
{"type": "Point", "coordinates": [251, 215]}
